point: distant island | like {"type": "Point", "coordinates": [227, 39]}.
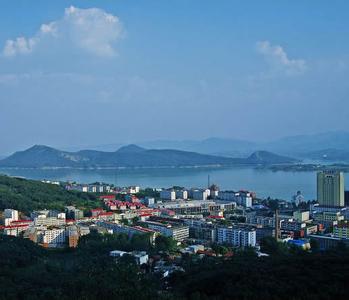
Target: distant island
{"type": "Point", "coordinates": [132, 156]}
{"type": "Point", "coordinates": [300, 167]}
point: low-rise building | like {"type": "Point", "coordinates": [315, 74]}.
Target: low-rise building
{"type": "Point", "coordinates": [328, 218]}
{"type": "Point", "coordinates": [292, 225]}
{"type": "Point", "coordinates": [187, 207]}
{"type": "Point", "coordinates": [255, 219]}
{"type": "Point", "coordinates": [327, 242]}
{"type": "Point", "coordinates": [141, 257]}
{"type": "Point", "coordinates": [129, 230]}
{"type": "Point", "coordinates": [42, 220]}
{"type": "Point", "coordinates": [178, 233]}
{"type": "Point", "coordinates": [341, 231]}
{"type": "Point", "coordinates": [301, 216]}
{"type": "Point", "coordinates": [73, 213]}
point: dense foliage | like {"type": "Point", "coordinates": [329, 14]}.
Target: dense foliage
{"type": "Point", "coordinates": [293, 275]}
{"type": "Point", "coordinates": [30, 272]}
{"type": "Point", "coordinates": [28, 195]}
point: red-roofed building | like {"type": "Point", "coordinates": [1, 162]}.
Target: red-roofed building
{"type": "Point", "coordinates": [15, 230]}
{"type": "Point", "coordinates": [107, 197]}
{"type": "Point", "coordinates": [21, 222]}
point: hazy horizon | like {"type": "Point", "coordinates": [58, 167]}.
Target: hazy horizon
{"type": "Point", "coordinates": [149, 144]}
{"type": "Point", "coordinates": [79, 74]}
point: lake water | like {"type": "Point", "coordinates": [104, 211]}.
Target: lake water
{"type": "Point", "coordinates": [265, 183]}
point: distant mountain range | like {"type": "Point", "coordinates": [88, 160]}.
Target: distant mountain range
{"type": "Point", "coordinates": [301, 146]}
{"type": "Point", "coordinates": [216, 146]}
{"type": "Point", "coordinates": [330, 146]}
{"type": "Point", "coordinates": [130, 156]}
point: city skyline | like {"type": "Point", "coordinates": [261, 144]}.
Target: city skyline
{"type": "Point", "coordinates": [145, 71]}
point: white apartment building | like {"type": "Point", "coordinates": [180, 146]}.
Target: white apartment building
{"type": "Point", "coordinates": [248, 238]}
{"type": "Point", "coordinates": [83, 188]}
{"type": "Point", "coordinates": [133, 189]}
{"type": "Point", "coordinates": [246, 201]}
{"type": "Point", "coordinates": [92, 189]}
{"type": "Point", "coordinates": [54, 237]}
{"type": "Point", "coordinates": [10, 215]}
{"type": "Point", "coordinates": [179, 233]}
{"type": "Point", "coordinates": [238, 237]}
{"type": "Point", "coordinates": [48, 221]}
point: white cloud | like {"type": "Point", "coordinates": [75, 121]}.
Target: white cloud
{"type": "Point", "coordinates": [277, 56]}
{"type": "Point", "coordinates": [91, 30]}
{"type": "Point", "coordinates": [20, 45]}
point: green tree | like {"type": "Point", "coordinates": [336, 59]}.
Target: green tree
{"type": "Point", "coordinates": [164, 243]}
{"type": "Point", "coordinates": [140, 242]}
{"type": "Point", "coordinates": [271, 246]}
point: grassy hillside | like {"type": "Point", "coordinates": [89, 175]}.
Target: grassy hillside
{"type": "Point", "coordinates": [27, 195]}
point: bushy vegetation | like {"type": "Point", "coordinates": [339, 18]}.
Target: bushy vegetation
{"type": "Point", "coordinates": [148, 192]}
{"type": "Point", "coordinates": [28, 195]}
{"type": "Point", "coordinates": [30, 272]}
{"type": "Point", "coordinates": [285, 274]}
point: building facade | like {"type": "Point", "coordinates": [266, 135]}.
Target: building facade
{"type": "Point", "coordinates": [330, 188]}
{"type": "Point", "coordinates": [238, 237]}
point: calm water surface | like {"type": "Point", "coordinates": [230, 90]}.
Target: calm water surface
{"type": "Point", "coordinates": [265, 183]}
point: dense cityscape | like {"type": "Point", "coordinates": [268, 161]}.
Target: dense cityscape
{"type": "Point", "coordinates": [161, 228]}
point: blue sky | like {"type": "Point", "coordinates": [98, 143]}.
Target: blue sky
{"type": "Point", "coordinates": [75, 73]}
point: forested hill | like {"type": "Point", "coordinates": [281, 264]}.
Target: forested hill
{"type": "Point", "coordinates": [28, 195]}
{"type": "Point", "coordinates": [129, 157]}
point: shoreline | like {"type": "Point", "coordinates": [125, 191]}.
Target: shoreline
{"type": "Point", "coordinates": [272, 167]}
